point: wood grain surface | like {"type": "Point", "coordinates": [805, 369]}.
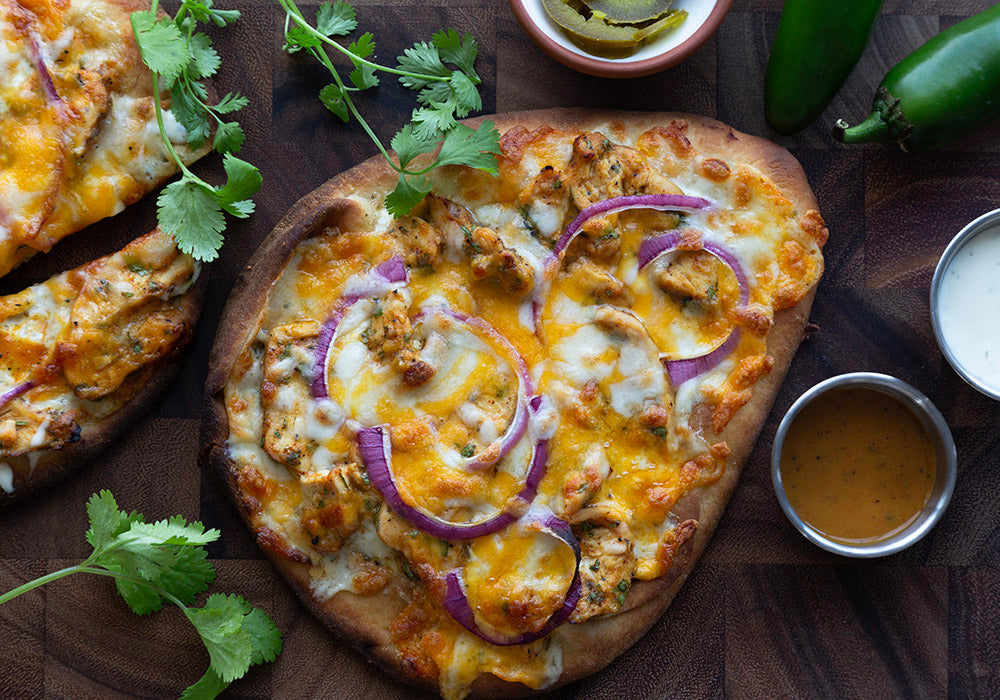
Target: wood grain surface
{"type": "Point", "coordinates": [765, 614]}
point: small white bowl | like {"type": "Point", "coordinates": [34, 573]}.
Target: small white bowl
{"type": "Point", "coordinates": [987, 221]}
{"type": "Point", "coordinates": [668, 49]}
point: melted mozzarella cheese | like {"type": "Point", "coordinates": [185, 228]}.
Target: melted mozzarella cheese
{"type": "Point", "coordinates": [629, 369]}
{"type": "Point", "coordinates": [338, 572]}
{"type": "Point", "coordinates": [642, 384]}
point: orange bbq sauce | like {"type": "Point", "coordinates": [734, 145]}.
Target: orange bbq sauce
{"type": "Point", "coordinates": [857, 465]}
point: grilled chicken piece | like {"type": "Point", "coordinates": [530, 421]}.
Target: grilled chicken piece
{"type": "Point", "coordinates": [492, 259]}
{"type": "Point", "coordinates": [422, 244]}
{"type": "Point", "coordinates": [126, 301]}
{"type": "Point", "coordinates": [691, 276]}
{"type": "Point", "coordinates": [286, 390]}
{"type": "Point", "coordinates": [607, 563]}
{"type": "Point", "coordinates": [333, 505]}
{"type": "Point", "coordinates": [599, 283]}
{"type": "Point", "coordinates": [389, 336]}
{"type": "Point", "coordinates": [601, 170]}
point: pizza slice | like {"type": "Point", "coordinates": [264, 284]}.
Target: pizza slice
{"type": "Point", "coordinates": [79, 139]}
{"type": "Point", "coordinates": [85, 352]}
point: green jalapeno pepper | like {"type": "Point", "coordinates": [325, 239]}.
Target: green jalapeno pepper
{"type": "Point", "coordinates": [815, 49]}
{"type": "Point", "coordinates": [940, 92]}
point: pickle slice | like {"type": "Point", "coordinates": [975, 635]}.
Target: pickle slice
{"type": "Point", "coordinates": [596, 35]}
{"type": "Point", "coordinates": [629, 11]}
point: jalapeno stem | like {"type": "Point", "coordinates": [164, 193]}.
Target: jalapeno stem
{"type": "Point", "coordinates": [873, 128]}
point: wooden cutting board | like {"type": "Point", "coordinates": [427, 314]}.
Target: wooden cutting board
{"type": "Point", "coordinates": [765, 613]}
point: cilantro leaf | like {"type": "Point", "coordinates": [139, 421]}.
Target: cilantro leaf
{"type": "Point", "coordinates": [160, 43]}
{"type": "Point", "coordinates": [466, 94]}
{"type": "Point", "coordinates": [408, 145]}
{"type": "Point", "coordinates": [229, 137]}
{"type": "Point", "coordinates": [438, 91]}
{"type": "Point", "coordinates": [220, 624]}
{"type": "Point", "coordinates": [337, 19]}
{"type": "Point", "coordinates": [198, 90]}
{"type": "Point", "coordinates": [241, 209]}
{"type": "Point", "coordinates": [458, 49]}
{"type": "Point", "coordinates": [140, 598]}
{"type": "Point", "coordinates": [205, 60]}
{"type": "Point", "coordinates": [332, 98]}
{"type": "Point", "coordinates": [187, 110]}
{"type": "Point", "coordinates": [265, 645]}
{"type": "Point", "coordinates": [191, 214]}
{"type": "Point", "coordinates": [363, 46]}
{"type": "Point", "coordinates": [433, 120]}
{"type": "Point", "coordinates": [206, 688]}
{"type": "Point", "coordinates": [410, 190]}
{"type": "Point", "coordinates": [297, 38]}
{"type": "Point", "coordinates": [190, 574]}
{"type": "Point", "coordinates": [363, 76]}
{"type": "Point", "coordinates": [104, 519]}
{"type": "Point", "coordinates": [475, 148]}
{"type": "Point", "coordinates": [422, 58]}
{"type": "Point", "coordinates": [140, 560]}
{"type": "Point", "coordinates": [243, 180]}
{"type": "Point", "coordinates": [265, 637]}
{"type": "Point", "coordinates": [174, 530]}
{"type": "Point", "coordinates": [231, 103]}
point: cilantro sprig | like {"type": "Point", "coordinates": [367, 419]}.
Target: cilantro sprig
{"type": "Point", "coordinates": [445, 94]}
{"type": "Point", "coordinates": [180, 58]}
{"type": "Point", "coordinates": [166, 561]}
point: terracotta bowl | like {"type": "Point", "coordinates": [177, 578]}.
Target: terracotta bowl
{"type": "Point", "coordinates": [670, 48]}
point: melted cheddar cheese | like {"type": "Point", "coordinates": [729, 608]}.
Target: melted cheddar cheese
{"type": "Point", "coordinates": [78, 134]}
{"type": "Point", "coordinates": [595, 333]}
{"type": "Point", "coordinates": [76, 348]}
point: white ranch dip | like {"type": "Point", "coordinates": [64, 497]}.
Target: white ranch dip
{"type": "Point", "coordinates": [969, 307]}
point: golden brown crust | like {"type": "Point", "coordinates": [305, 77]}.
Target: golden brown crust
{"type": "Point", "coordinates": [364, 621]}
{"type": "Point", "coordinates": [54, 465]}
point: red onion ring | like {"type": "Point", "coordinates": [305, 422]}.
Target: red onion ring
{"type": "Point", "coordinates": [456, 602]}
{"type": "Point", "coordinates": [682, 370]}
{"type": "Point", "coordinates": [323, 342]}
{"type": "Point", "coordinates": [393, 270]}
{"type": "Point", "coordinates": [376, 454]}
{"type": "Point", "coordinates": [377, 282]}
{"type": "Point", "coordinates": [48, 86]}
{"type": "Point", "coordinates": [659, 202]}
{"type": "Point", "coordinates": [14, 392]}
{"type": "Point", "coordinates": [518, 424]}
{"type": "Point", "coordinates": [654, 247]}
